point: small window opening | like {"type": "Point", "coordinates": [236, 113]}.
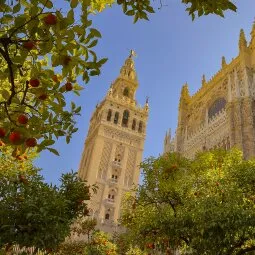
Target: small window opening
{"type": "Point", "coordinates": [109, 115]}
{"type": "Point", "coordinates": [126, 92]}
{"type": "Point", "coordinates": [116, 118]}
{"type": "Point", "coordinates": [125, 118]}
{"type": "Point", "coordinates": [140, 128]}
{"type": "Point", "coordinates": [134, 124]}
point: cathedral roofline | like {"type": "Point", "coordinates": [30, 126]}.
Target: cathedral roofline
{"type": "Point", "coordinates": [216, 77]}
{"type": "Point", "coordinates": [225, 68]}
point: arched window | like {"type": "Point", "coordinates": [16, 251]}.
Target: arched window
{"type": "Point", "coordinates": [126, 92]}
{"type": "Point", "coordinates": [134, 124]}
{"type": "Point", "coordinates": [107, 216]}
{"type": "Point", "coordinates": [109, 115]}
{"type": "Point", "coordinates": [117, 158]}
{"type": "Point", "coordinates": [125, 118]}
{"type": "Point", "coordinates": [216, 107]}
{"type": "Point", "coordinates": [116, 117]}
{"type": "Point", "coordinates": [111, 196]}
{"type": "Point", "coordinates": [140, 128]}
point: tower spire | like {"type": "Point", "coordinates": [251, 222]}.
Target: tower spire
{"type": "Point", "coordinates": [242, 41]}
{"type": "Point", "coordinates": [253, 35]}
{"type": "Point", "coordinates": [128, 69]}
{"type": "Point", "coordinates": [223, 62]}
{"type": "Point", "coordinates": [185, 97]}
{"type": "Point", "coordinates": [185, 91]}
{"type": "Point", "coordinates": [126, 84]}
{"type": "Point", "coordinates": [203, 80]}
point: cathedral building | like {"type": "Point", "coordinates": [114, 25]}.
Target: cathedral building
{"type": "Point", "coordinates": [221, 114]}
{"type": "Point", "coordinates": [114, 147]}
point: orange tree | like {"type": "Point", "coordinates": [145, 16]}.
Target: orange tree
{"type": "Point", "coordinates": [100, 244]}
{"type": "Point", "coordinates": [202, 206]}
{"type": "Point", "coordinates": [34, 213]}
{"type": "Point", "coordinates": [43, 52]}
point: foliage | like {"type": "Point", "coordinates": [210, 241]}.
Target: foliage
{"type": "Point", "coordinates": [9, 166]}
{"type": "Point", "coordinates": [135, 251]}
{"type": "Point", "coordinates": [43, 53]}
{"type": "Point", "coordinates": [33, 213]}
{"type": "Point", "coordinates": [205, 7]}
{"type": "Point", "coordinates": [203, 206]}
{"type": "Point", "coordinates": [85, 226]}
{"type": "Point", "coordinates": [42, 50]}
{"type": "Point", "coordinates": [100, 245]}
{"type": "Point", "coordinates": [122, 241]}
{"type": "Point", "coordinates": [74, 247]}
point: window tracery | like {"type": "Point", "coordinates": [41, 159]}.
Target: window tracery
{"type": "Point", "coordinates": [216, 107]}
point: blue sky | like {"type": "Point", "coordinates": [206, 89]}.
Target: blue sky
{"type": "Point", "coordinates": [171, 50]}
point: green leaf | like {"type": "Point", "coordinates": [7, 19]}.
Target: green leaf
{"type": "Point", "coordinates": [102, 61]}
{"type": "Point", "coordinates": [73, 105]}
{"type": "Point", "coordinates": [124, 7]}
{"type": "Point", "coordinates": [68, 139]}
{"type": "Point", "coordinates": [47, 142]}
{"type": "Point", "coordinates": [150, 9]}
{"type": "Point", "coordinates": [5, 94]}
{"type": "Point", "coordinates": [136, 17]}
{"type": "Point", "coordinates": [95, 32]}
{"type": "Point", "coordinates": [130, 12]}
{"type": "Point", "coordinates": [74, 130]}
{"type": "Point", "coordinates": [74, 3]}
{"type": "Point", "coordinates": [92, 44]}
{"type": "Point", "coordinates": [54, 151]}
{"type": "Point", "coordinates": [70, 17]}
{"type": "Point", "coordinates": [7, 18]}
{"type": "Point", "coordinates": [232, 7]}
{"type": "Point", "coordinates": [78, 109]}
{"type": "Point", "coordinates": [94, 72]}
{"type": "Point", "coordinates": [16, 8]}
{"type": "Point", "coordinates": [19, 20]}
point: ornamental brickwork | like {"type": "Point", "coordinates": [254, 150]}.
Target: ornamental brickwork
{"type": "Point", "coordinates": [114, 146]}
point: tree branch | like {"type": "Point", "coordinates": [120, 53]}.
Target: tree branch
{"type": "Point", "coordinates": [32, 18]}
{"type": "Point", "coordinates": [8, 60]}
{"type": "Point", "coordinates": [25, 93]}
{"type": "Point", "coordinates": [245, 250]}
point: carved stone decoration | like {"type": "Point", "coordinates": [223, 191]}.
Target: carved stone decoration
{"type": "Point", "coordinates": [102, 172]}
{"type": "Point", "coordinates": [128, 180]}
{"type": "Point", "coordinates": [222, 113]}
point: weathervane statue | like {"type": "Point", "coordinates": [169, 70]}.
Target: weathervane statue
{"type": "Point", "coordinates": [132, 54]}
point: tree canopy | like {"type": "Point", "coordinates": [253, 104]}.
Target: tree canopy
{"type": "Point", "coordinates": [34, 213]}
{"type": "Point", "coordinates": [203, 206]}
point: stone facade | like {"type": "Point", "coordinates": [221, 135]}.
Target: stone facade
{"type": "Point", "coordinates": [114, 146]}
{"type": "Point", "coordinates": [222, 112]}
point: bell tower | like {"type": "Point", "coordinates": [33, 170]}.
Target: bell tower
{"type": "Point", "coordinates": [114, 146]}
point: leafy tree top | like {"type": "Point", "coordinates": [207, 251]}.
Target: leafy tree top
{"type": "Point", "coordinates": [203, 206]}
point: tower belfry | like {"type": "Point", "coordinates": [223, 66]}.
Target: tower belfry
{"type": "Point", "coordinates": [114, 146]}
